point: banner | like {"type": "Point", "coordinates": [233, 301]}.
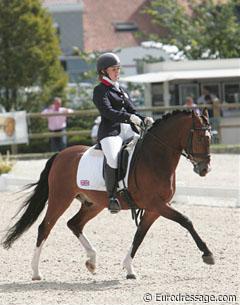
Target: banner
{"type": "Point", "coordinates": [13, 128]}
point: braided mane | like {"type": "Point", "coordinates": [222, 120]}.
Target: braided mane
{"type": "Point", "coordinates": [168, 115]}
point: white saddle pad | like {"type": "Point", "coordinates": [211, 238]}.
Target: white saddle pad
{"type": "Point", "coordinates": [90, 169]}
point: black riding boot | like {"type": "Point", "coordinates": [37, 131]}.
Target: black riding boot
{"type": "Point", "coordinates": [110, 175]}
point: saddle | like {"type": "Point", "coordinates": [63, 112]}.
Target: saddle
{"type": "Point", "coordinates": [123, 157]}
{"type": "Point", "coordinates": [92, 163]}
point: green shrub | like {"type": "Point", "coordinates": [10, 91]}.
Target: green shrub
{"type": "Point", "coordinates": [5, 165]}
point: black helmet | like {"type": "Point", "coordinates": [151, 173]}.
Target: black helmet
{"type": "Point", "coordinates": [107, 60]}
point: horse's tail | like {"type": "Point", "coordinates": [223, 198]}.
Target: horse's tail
{"type": "Point", "coordinates": [33, 205]}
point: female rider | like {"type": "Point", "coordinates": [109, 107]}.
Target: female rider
{"type": "Point", "coordinates": [117, 113]}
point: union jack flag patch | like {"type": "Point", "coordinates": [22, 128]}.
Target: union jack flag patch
{"type": "Point", "coordinates": [84, 182]}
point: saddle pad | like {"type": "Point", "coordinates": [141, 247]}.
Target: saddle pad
{"type": "Point", "coordinates": [90, 169]}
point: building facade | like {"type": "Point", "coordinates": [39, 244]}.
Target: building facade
{"type": "Point", "coordinates": [169, 83]}
{"type": "Point", "coordinates": [103, 25]}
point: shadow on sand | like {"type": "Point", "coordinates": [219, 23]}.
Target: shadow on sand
{"type": "Point", "coordinates": [62, 286]}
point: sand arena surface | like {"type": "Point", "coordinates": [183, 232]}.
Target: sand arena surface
{"type": "Point", "coordinates": [167, 262]}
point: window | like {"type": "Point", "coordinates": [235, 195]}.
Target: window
{"type": "Point", "coordinates": [125, 26]}
{"type": "Point", "coordinates": [213, 88]}
{"type": "Point", "coordinates": [188, 90]}
{"type": "Point", "coordinates": [232, 93]}
{"type": "Point", "coordinates": [157, 94]}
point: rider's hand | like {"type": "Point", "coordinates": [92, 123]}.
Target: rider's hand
{"type": "Point", "coordinates": [135, 120]}
{"type": "Point", "coordinates": [148, 120]}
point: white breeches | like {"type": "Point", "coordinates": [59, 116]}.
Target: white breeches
{"type": "Point", "coordinates": [112, 145]}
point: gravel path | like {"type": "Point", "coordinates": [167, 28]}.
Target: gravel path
{"type": "Point", "coordinates": [167, 262]}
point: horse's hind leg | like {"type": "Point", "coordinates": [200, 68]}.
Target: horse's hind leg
{"type": "Point", "coordinates": [76, 224]}
{"type": "Point", "coordinates": [56, 207]}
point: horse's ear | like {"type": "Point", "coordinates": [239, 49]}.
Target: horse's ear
{"type": "Point", "coordinates": [194, 113]}
{"type": "Point", "coordinates": [205, 113]}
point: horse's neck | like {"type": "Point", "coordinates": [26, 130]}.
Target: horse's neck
{"type": "Point", "coordinates": [163, 144]}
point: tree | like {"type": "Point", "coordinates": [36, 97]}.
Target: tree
{"type": "Point", "coordinates": [200, 29]}
{"type": "Point", "coordinates": [29, 55]}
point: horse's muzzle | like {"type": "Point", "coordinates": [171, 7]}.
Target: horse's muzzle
{"type": "Point", "coordinates": [202, 168]}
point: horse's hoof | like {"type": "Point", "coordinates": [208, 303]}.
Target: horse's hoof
{"type": "Point", "coordinates": [36, 278]}
{"type": "Point", "coordinates": [208, 259]}
{"type": "Point", "coordinates": [90, 266]}
{"type": "Point", "coordinates": [131, 277]}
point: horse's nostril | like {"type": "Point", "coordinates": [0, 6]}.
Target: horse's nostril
{"type": "Point", "coordinates": [203, 172]}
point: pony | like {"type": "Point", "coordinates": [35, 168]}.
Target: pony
{"type": "Point", "coordinates": [151, 184]}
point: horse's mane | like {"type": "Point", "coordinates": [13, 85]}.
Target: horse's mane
{"type": "Point", "coordinates": [168, 115]}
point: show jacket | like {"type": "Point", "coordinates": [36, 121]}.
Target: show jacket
{"type": "Point", "coordinates": [115, 107]}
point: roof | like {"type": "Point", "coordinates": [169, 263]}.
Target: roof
{"type": "Point", "coordinates": [99, 18]}
{"type": "Point", "coordinates": [158, 77]}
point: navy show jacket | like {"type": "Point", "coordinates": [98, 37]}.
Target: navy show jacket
{"type": "Point", "coordinates": [115, 107]}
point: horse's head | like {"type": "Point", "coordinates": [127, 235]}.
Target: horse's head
{"type": "Point", "coordinates": [198, 143]}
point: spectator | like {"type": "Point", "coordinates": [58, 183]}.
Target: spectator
{"type": "Point", "coordinates": [94, 131]}
{"type": "Point", "coordinates": [203, 99]}
{"type": "Point", "coordinates": [209, 101]}
{"type": "Point", "coordinates": [189, 103]}
{"type": "Point", "coordinates": [57, 124]}
{"type": "Point", "coordinates": [2, 109]}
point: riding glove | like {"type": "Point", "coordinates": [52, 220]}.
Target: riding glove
{"type": "Point", "coordinates": [148, 120]}
{"type": "Point", "coordinates": [135, 120]}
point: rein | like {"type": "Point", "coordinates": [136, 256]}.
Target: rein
{"type": "Point", "coordinates": [188, 153]}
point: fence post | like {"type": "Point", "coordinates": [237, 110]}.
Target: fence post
{"type": "Point", "coordinates": [14, 149]}
{"type": "Point", "coordinates": [217, 116]}
{"type": "Point", "coordinates": [216, 108]}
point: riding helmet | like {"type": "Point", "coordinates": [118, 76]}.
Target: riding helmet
{"type": "Point", "coordinates": [107, 60]}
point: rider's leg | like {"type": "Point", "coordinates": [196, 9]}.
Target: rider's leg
{"type": "Point", "coordinates": [126, 132]}
{"type": "Point", "coordinates": [111, 147]}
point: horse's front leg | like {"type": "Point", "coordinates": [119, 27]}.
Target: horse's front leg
{"type": "Point", "coordinates": [145, 223]}
{"type": "Point", "coordinates": [170, 213]}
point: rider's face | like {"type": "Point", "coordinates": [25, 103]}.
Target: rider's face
{"type": "Point", "coordinates": [113, 73]}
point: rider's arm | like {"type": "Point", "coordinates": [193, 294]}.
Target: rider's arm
{"type": "Point", "coordinates": [102, 102]}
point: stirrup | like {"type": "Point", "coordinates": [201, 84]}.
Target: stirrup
{"type": "Point", "coordinates": [114, 206]}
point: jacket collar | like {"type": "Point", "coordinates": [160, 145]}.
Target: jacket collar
{"type": "Point", "coordinates": [109, 83]}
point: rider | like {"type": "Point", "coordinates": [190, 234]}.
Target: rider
{"type": "Point", "coordinates": [117, 113]}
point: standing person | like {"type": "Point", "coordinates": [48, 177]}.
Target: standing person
{"type": "Point", "coordinates": [189, 103]}
{"type": "Point", "coordinates": [209, 101]}
{"type": "Point", "coordinates": [204, 98]}
{"type": "Point", "coordinates": [117, 113]}
{"type": "Point", "coordinates": [57, 124]}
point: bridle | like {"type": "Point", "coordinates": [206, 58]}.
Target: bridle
{"type": "Point", "coordinates": [188, 152]}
